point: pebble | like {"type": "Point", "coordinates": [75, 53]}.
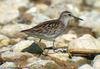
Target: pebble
{"type": "Point", "coordinates": [91, 20]}
{"type": "Point", "coordinates": [8, 65]}
{"type": "Point", "coordinates": [86, 66]}
{"type": "Point", "coordinates": [96, 62]}
{"type": "Point", "coordinates": [22, 45]}
{"type": "Point", "coordinates": [36, 64]}
{"type": "Point", "coordinates": [86, 43]}
{"type": "Point", "coordinates": [63, 40]}
{"type": "Point", "coordinates": [13, 30]}
{"type": "Point", "coordinates": [6, 5]}
{"type": "Point", "coordinates": [3, 37]}
{"type": "Point", "coordinates": [5, 42]}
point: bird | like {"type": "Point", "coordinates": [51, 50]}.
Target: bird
{"type": "Point", "coordinates": [51, 29]}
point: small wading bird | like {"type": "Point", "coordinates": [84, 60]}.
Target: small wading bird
{"type": "Point", "coordinates": [51, 29]}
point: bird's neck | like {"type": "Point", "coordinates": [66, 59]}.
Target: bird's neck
{"type": "Point", "coordinates": [65, 21]}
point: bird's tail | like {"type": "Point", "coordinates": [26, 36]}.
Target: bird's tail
{"type": "Point", "coordinates": [28, 31]}
{"type": "Point", "coordinates": [25, 30]}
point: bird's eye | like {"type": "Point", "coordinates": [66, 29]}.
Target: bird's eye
{"type": "Point", "coordinates": [69, 14]}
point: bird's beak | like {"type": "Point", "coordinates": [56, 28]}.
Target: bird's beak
{"type": "Point", "coordinates": [77, 18]}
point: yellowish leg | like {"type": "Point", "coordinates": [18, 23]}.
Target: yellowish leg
{"type": "Point", "coordinates": [54, 43]}
{"type": "Point", "coordinates": [70, 56]}
{"type": "Point", "coordinates": [40, 40]}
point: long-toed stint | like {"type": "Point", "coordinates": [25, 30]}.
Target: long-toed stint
{"type": "Point", "coordinates": [51, 29]}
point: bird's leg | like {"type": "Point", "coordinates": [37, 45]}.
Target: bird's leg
{"type": "Point", "coordinates": [43, 50]}
{"type": "Point", "coordinates": [53, 43]}
{"type": "Point", "coordinates": [70, 56]}
{"type": "Point", "coordinates": [40, 40]}
{"type": "Point", "coordinates": [54, 46]}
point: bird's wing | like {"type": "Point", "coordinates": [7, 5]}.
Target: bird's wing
{"type": "Point", "coordinates": [48, 27]}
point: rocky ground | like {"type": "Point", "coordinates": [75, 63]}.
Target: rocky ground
{"type": "Point", "coordinates": [78, 48]}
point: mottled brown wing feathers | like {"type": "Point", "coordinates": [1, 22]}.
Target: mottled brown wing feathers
{"type": "Point", "coordinates": [48, 28]}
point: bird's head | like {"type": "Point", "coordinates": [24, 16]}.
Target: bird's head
{"type": "Point", "coordinates": [67, 14]}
